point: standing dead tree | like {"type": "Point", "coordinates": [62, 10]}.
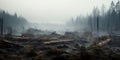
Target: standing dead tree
{"type": "Point", "coordinates": [1, 25]}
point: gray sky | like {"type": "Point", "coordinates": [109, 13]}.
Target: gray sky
{"type": "Point", "coordinates": [51, 11]}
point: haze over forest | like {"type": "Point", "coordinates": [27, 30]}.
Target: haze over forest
{"type": "Point", "coordinates": [52, 14]}
{"type": "Point", "coordinates": [52, 11]}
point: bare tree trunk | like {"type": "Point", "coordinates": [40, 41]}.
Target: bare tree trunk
{"type": "Point", "coordinates": [1, 19]}
{"type": "Point", "coordinates": [97, 25]}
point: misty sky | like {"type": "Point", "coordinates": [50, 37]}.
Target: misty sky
{"type": "Point", "coordinates": [51, 11]}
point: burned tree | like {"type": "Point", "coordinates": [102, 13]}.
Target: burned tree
{"type": "Point", "coordinates": [1, 25]}
{"type": "Point", "coordinates": [97, 25]}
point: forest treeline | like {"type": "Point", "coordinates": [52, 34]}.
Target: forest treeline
{"type": "Point", "coordinates": [12, 23]}
{"type": "Point", "coordinates": [100, 19]}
